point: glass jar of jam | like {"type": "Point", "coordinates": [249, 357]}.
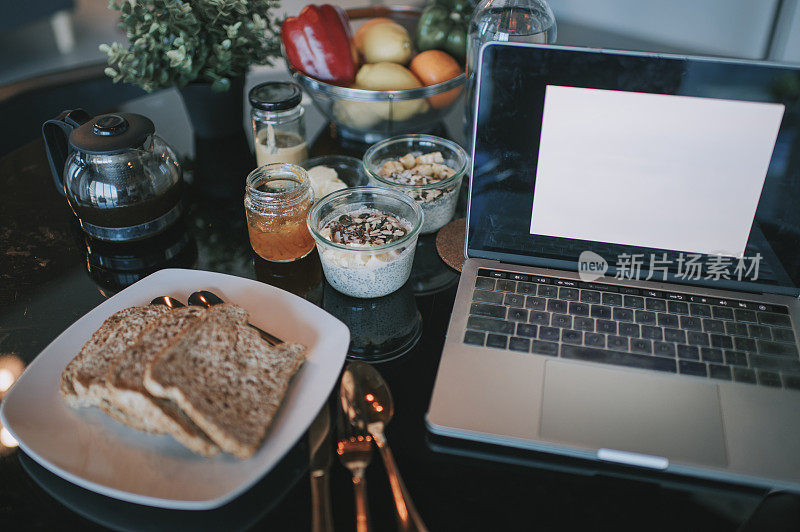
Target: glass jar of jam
{"type": "Point", "coordinates": [279, 130]}
{"type": "Point", "coordinates": [277, 199]}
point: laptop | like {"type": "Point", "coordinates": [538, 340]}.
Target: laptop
{"type": "Point", "coordinates": [630, 293]}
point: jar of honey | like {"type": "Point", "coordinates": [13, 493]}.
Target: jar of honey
{"type": "Point", "coordinates": [277, 199]}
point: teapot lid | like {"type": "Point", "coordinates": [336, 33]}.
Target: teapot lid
{"type": "Point", "coordinates": [111, 133]}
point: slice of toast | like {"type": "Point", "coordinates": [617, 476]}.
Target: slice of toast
{"type": "Point", "coordinates": [83, 380]}
{"type": "Point", "coordinates": [226, 378]}
{"type": "Point", "coordinates": [128, 395]}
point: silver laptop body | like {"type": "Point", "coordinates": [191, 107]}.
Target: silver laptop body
{"type": "Point", "coordinates": [649, 393]}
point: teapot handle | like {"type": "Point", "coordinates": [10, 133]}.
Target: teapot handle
{"type": "Point", "coordinates": [56, 141]}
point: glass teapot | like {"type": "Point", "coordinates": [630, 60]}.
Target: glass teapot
{"type": "Point", "coordinates": [121, 180]}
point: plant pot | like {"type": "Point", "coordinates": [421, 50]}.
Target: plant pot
{"type": "Point", "coordinates": [215, 114]}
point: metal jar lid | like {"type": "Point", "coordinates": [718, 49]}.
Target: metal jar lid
{"type": "Point", "coordinates": [275, 96]}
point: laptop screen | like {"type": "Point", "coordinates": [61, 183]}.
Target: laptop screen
{"type": "Point", "coordinates": [638, 166]}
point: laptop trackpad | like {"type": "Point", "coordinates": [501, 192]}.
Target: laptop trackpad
{"type": "Point", "coordinates": [601, 407]}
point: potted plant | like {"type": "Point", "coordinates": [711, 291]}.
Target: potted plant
{"type": "Point", "coordinates": [202, 47]}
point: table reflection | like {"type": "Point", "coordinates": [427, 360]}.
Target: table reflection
{"type": "Point", "coordinates": [302, 277]}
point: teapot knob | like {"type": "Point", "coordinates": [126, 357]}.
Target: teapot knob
{"type": "Point", "coordinates": [110, 125]}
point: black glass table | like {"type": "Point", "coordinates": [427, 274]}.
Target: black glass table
{"type": "Point", "coordinates": [51, 274]}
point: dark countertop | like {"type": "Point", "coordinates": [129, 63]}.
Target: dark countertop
{"type": "Point", "coordinates": [50, 278]}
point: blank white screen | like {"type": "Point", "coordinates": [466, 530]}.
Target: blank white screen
{"type": "Point", "coordinates": [652, 170]}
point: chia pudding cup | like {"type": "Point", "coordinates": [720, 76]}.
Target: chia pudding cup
{"type": "Point", "coordinates": [360, 269]}
{"type": "Point", "coordinates": [437, 199]}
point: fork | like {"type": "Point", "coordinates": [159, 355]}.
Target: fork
{"type": "Point", "coordinates": [355, 452]}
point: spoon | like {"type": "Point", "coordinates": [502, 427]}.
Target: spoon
{"type": "Point", "coordinates": [368, 404]}
{"type": "Point", "coordinates": [204, 298]}
{"type": "Point", "coordinates": [167, 301]}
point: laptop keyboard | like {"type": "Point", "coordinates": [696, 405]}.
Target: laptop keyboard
{"type": "Point", "coordinates": [723, 339]}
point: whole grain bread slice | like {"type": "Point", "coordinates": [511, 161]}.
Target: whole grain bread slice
{"type": "Point", "coordinates": [83, 381]}
{"type": "Point", "coordinates": [226, 378]}
{"type": "Point", "coordinates": [128, 395]}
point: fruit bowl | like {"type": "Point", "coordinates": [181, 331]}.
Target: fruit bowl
{"type": "Point", "coordinates": [369, 116]}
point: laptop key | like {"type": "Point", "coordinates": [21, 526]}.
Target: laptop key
{"type": "Point", "coordinates": [652, 333]}
{"type": "Point", "coordinates": [549, 333]}
{"type": "Point", "coordinates": [668, 320]}
{"type": "Point", "coordinates": [610, 298]}
{"type": "Point", "coordinates": [716, 371]}
{"type": "Point", "coordinates": [783, 335]}
{"type": "Point", "coordinates": [490, 325]}
{"type": "Point", "coordinates": [561, 320]}
{"type": "Point", "coordinates": [643, 316]}
{"type": "Point", "coordinates": [735, 358]}
{"type": "Point", "coordinates": [634, 302]}
{"type": "Point", "coordinates": [599, 311]}
{"type": "Point", "coordinates": [547, 290]}
{"type": "Point", "coordinates": [485, 309]}
{"type": "Point", "coordinates": [791, 381]}
{"type": "Point", "coordinates": [776, 348]}
{"type": "Point", "coordinates": [606, 326]}
{"type": "Point", "coordinates": [713, 326]}
{"type": "Point", "coordinates": [746, 316]}
{"type": "Point", "coordinates": [623, 314]}
{"type": "Point", "coordinates": [527, 330]}
{"type": "Point", "coordinates": [535, 303]}
{"type": "Point", "coordinates": [658, 305]}
{"type": "Point", "coordinates": [722, 313]}
{"type": "Point", "coordinates": [539, 318]}
{"type": "Point", "coordinates": [678, 307]}
{"type": "Point", "coordinates": [496, 340]}
{"type": "Point", "coordinates": [514, 300]}
{"type": "Point", "coordinates": [721, 341]}
{"type": "Point", "coordinates": [744, 375]}
{"type": "Point", "coordinates": [744, 344]}
{"type": "Point", "coordinates": [474, 337]}
{"type": "Point", "coordinates": [769, 378]}
{"type": "Point", "coordinates": [760, 332]}
{"type": "Point", "coordinates": [688, 351]}
{"type": "Point", "coordinates": [583, 324]}
{"type": "Point", "coordinates": [557, 305]}
{"type": "Point", "coordinates": [777, 320]}
{"type": "Point", "coordinates": [484, 296]}
{"type": "Point", "coordinates": [618, 342]}
{"type": "Point", "coordinates": [687, 367]}
{"type": "Point", "coordinates": [775, 363]}
{"type": "Point", "coordinates": [594, 339]}
{"type": "Point", "coordinates": [604, 356]}
{"type": "Point", "coordinates": [570, 294]}
{"type": "Point", "coordinates": [516, 343]}
{"type": "Point", "coordinates": [691, 323]}
{"type": "Point", "coordinates": [697, 338]}
{"type": "Point", "coordinates": [544, 348]}
{"type": "Point", "coordinates": [505, 285]}
{"type": "Point", "coordinates": [571, 337]}
{"type": "Point", "coordinates": [518, 314]}
{"type": "Point", "coordinates": [734, 328]}
{"type": "Point", "coordinates": [664, 349]}
{"type": "Point", "coordinates": [641, 346]}
{"type": "Point", "coordinates": [675, 335]}
{"type": "Point", "coordinates": [628, 329]}
{"type": "Point", "coordinates": [703, 311]}
{"type": "Point", "coordinates": [713, 355]}
{"type": "Point", "coordinates": [526, 288]}
{"type": "Point", "coordinates": [485, 283]}
{"type": "Point", "coordinates": [579, 309]}
{"type": "Point", "coordinates": [590, 296]}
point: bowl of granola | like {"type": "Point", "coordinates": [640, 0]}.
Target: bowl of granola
{"type": "Point", "coordinates": [428, 169]}
{"type": "Point", "coordinates": [366, 238]}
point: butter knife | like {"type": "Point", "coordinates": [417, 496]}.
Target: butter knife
{"type": "Point", "coordinates": [319, 438]}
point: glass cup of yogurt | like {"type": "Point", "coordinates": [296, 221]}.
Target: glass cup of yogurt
{"type": "Point", "coordinates": [366, 238]}
{"type": "Point", "coordinates": [428, 169]}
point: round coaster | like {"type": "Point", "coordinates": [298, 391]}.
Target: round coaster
{"type": "Point", "coordinates": [450, 243]}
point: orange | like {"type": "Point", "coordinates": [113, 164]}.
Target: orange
{"type": "Point", "coordinates": [435, 66]}
{"type": "Point", "coordinates": [358, 38]}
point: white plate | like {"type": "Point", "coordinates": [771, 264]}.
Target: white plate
{"type": "Point", "coordinates": [90, 449]}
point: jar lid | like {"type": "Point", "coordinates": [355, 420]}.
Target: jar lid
{"type": "Point", "coordinates": [275, 96]}
{"type": "Point", "coordinates": [112, 133]}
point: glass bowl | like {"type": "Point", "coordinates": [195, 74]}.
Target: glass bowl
{"type": "Point", "coordinates": [438, 199]}
{"type": "Point", "coordinates": [369, 116]}
{"type": "Point", "coordinates": [366, 271]}
{"type": "Point", "coordinates": [348, 169]}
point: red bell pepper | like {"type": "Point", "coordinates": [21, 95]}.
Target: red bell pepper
{"type": "Point", "coordinates": [319, 42]}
